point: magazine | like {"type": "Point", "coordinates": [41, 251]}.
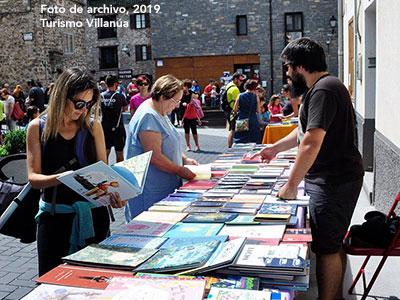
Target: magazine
{"type": "Point", "coordinates": [95, 182]}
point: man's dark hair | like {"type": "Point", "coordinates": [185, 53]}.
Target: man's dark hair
{"type": "Point", "coordinates": [307, 53]}
{"type": "Point", "coordinates": [111, 80]}
{"type": "Point", "coordinates": [187, 83]}
{"type": "Point", "coordinates": [286, 87]}
{"type": "Point", "coordinates": [237, 75]}
{"type": "Point", "coordinates": [31, 82]}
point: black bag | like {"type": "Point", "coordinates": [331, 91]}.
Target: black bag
{"type": "Point", "coordinates": [224, 100]}
{"type": "Point", "coordinates": [376, 232]}
{"type": "Point", "coordinates": [21, 224]}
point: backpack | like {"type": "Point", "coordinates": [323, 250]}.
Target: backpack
{"type": "Point", "coordinates": [17, 113]}
{"type": "Point", "coordinates": [21, 223]}
{"type": "Point", "coordinates": [224, 99]}
{"type": "Point", "coordinates": [197, 108]}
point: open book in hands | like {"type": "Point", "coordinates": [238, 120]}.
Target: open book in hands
{"type": "Point", "coordinates": [96, 181]}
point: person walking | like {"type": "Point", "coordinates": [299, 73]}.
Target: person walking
{"type": "Point", "coordinates": [113, 104]}
{"type": "Point", "coordinates": [9, 102]}
{"type": "Point", "coordinates": [143, 83]}
{"type": "Point", "coordinates": [328, 158]}
{"type": "Point", "coordinates": [36, 95]}
{"type": "Point", "coordinates": [189, 121]}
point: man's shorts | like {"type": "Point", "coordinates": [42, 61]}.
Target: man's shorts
{"type": "Point", "coordinates": [331, 209]}
{"type": "Point", "coordinates": [115, 139]}
{"type": "Point", "coordinates": [231, 123]}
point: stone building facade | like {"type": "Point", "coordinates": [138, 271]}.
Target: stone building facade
{"type": "Point", "coordinates": [30, 50]}
{"type": "Point", "coordinates": [193, 29]}
{"type": "Point", "coordinates": [117, 52]}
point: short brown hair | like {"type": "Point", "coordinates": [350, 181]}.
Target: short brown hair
{"type": "Point", "coordinates": [251, 85]}
{"type": "Point", "coordinates": [167, 86]}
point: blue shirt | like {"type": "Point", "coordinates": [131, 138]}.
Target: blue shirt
{"type": "Point", "coordinates": [158, 183]}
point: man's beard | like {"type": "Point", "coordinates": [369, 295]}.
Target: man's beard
{"type": "Point", "coordinates": [299, 85]}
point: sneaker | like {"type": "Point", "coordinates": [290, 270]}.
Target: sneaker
{"type": "Point", "coordinates": [197, 148]}
{"type": "Point", "coordinates": [188, 148]}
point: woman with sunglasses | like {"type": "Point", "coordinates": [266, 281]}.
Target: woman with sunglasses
{"type": "Point", "coordinates": [69, 111]}
{"type": "Point", "coordinates": [150, 129]}
{"type": "Point", "coordinates": [143, 84]}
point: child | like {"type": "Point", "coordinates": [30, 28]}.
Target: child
{"type": "Point", "coordinates": [189, 121]}
{"type": "Point", "coordinates": [32, 112]}
{"type": "Point", "coordinates": [275, 108]}
{"type": "Point", "coordinates": [263, 117]}
{"type": "Point", "coordinates": [214, 96]}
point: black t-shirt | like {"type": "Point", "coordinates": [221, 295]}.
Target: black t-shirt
{"type": "Point", "coordinates": [287, 108]}
{"type": "Point", "coordinates": [38, 97]}
{"type": "Point", "coordinates": [327, 105]}
{"type": "Point", "coordinates": [185, 99]}
{"type": "Point", "coordinates": [111, 109]}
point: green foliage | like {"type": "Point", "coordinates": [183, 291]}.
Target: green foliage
{"type": "Point", "coordinates": [14, 142]}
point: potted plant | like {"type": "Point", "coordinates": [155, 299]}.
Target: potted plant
{"type": "Point", "coordinates": [14, 142]}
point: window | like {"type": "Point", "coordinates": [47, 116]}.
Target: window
{"type": "Point", "coordinates": [68, 43]}
{"type": "Point", "coordinates": [143, 52]}
{"type": "Point", "coordinates": [241, 25]}
{"type": "Point", "coordinates": [140, 21]}
{"type": "Point", "coordinates": [293, 26]}
{"type": "Point", "coordinates": [109, 57]}
{"type": "Point", "coordinates": [107, 32]}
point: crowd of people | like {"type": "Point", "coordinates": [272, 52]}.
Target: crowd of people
{"type": "Point", "coordinates": [327, 158]}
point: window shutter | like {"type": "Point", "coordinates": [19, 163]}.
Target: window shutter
{"type": "Point", "coordinates": [148, 52]}
{"type": "Point", "coordinates": [138, 51]}
{"type": "Point", "coordinates": [147, 20]}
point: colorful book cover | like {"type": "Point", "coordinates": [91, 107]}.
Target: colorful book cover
{"type": "Point", "coordinates": [154, 289]}
{"type": "Point", "coordinates": [184, 241]}
{"type": "Point", "coordinates": [136, 227]}
{"type": "Point", "coordinates": [185, 194]}
{"type": "Point", "coordinates": [278, 208]}
{"type": "Point", "coordinates": [208, 203]}
{"type": "Point", "coordinates": [259, 241]}
{"type": "Point", "coordinates": [125, 258]}
{"type": "Point", "coordinates": [272, 218]}
{"type": "Point", "coordinates": [199, 184]}
{"type": "Point", "coordinates": [297, 235]}
{"type": "Point", "coordinates": [51, 292]}
{"type": "Point", "coordinates": [233, 294]}
{"type": "Point", "coordinates": [95, 182]}
{"type": "Point", "coordinates": [134, 241]}
{"type": "Point", "coordinates": [242, 205]}
{"type": "Point", "coordinates": [194, 209]}
{"type": "Point", "coordinates": [194, 229]}
{"type": "Point", "coordinates": [78, 276]}
{"type": "Point", "coordinates": [179, 258]}
{"type": "Point", "coordinates": [165, 208]}
{"type": "Point", "coordinates": [243, 220]}
{"type": "Point", "coordinates": [172, 203]}
{"type": "Point", "coordinates": [209, 218]}
{"type": "Point", "coordinates": [248, 198]}
{"type": "Point", "coordinates": [223, 255]}
{"type": "Point", "coordinates": [262, 231]}
{"type": "Point", "coordinates": [155, 216]}
{"type": "Point", "coordinates": [247, 211]}
{"type": "Point", "coordinates": [214, 198]}
{"type": "Point", "coordinates": [233, 282]}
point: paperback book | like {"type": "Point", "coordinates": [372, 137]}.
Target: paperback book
{"type": "Point", "coordinates": [51, 292]}
{"type": "Point", "coordinates": [249, 231]}
{"type": "Point", "coordinates": [145, 228]}
{"type": "Point", "coordinates": [210, 218]}
{"type": "Point", "coordinates": [134, 241]}
{"type": "Point", "coordinates": [95, 182]}
{"type": "Point", "coordinates": [123, 258]}
{"type": "Point", "coordinates": [233, 294]}
{"type": "Point", "coordinates": [154, 216]}
{"type": "Point", "coordinates": [194, 229]}
{"type": "Point", "coordinates": [184, 241]}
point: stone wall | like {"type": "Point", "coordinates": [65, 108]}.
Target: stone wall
{"type": "Point", "coordinates": [43, 58]}
{"type": "Point", "coordinates": [198, 28]}
{"type": "Point", "coordinates": [125, 36]}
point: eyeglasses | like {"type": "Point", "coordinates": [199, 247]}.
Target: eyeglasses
{"type": "Point", "coordinates": [288, 63]}
{"type": "Point", "coordinates": [176, 101]}
{"type": "Point", "coordinates": [142, 84]}
{"type": "Point", "coordinates": [79, 104]}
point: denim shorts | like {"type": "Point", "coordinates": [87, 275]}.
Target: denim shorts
{"type": "Point", "coordinates": [331, 209]}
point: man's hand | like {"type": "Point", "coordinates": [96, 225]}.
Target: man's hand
{"type": "Point", "coordinates": [267, 154]}
{"type": "Point", "coordinates": [116, 201]}
{"type": "Point", "coordinates": [288, 192]}
{"type": "Point", "coordinates": [185, 173]}
{"type": "Point", "coordinates": [190, 161]}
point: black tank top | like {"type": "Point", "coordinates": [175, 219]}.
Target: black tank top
{"type": "Point", "coordinates": [57, 153]}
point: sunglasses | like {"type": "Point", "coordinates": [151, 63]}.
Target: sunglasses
{"type": "Point", "coordinates": [79, 104]}
{"type": "Point", "coordinates": [143, 84]}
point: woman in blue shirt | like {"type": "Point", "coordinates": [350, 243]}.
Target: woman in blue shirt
{"type": "Point", "coordinates": [150, 129]}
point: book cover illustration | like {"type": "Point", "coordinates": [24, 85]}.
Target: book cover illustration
{"type": "Point", "coordinates": [134, 241]}
{"type": "Point", "coordinates": [136, 227]}
{"type": "Point", "coordinates": [243, 220]}
{"type": "Point", "coordinates": [199, 184]}
{"type": "Point", "coordinates": [110, 256]}
{"type": "Point", "coordinates": [179, 242]}
{"type": "Point", "coordinates": [223, 255]}
{"type": "Point", "coordinates": [217, 293]}
{"type": "Point", "coordinates": [262, 231]}
{"type": "Point", "coordinates": [95, 182]}
{"type": "Point", "coordinates": [199, 209]}
{"type": "Point", "coordinates": [209, 218]}
{"type": "Point", "coordinates": [78, 276]}
{"type": "Point", "coordinates": [234, 282]}
{"type": "Point", "coordinates": [246, 211]}
{"type": "Point", "coordinates": [208, 203]}
{"type": "Point", "coordinates": [190, 194]}
{"type": "Point", "coordinates": [179, 258]}
{"type": "Point", "coordinates": [297, 235]}
{"type": "Point", "coordinates": [194, 229]}
{"type": "Point", "coordinates": [51, 292]}
{"type": "Point", "coordinates": [154, 289]}
{"type": "Point", "coordinates": [278, 208]}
